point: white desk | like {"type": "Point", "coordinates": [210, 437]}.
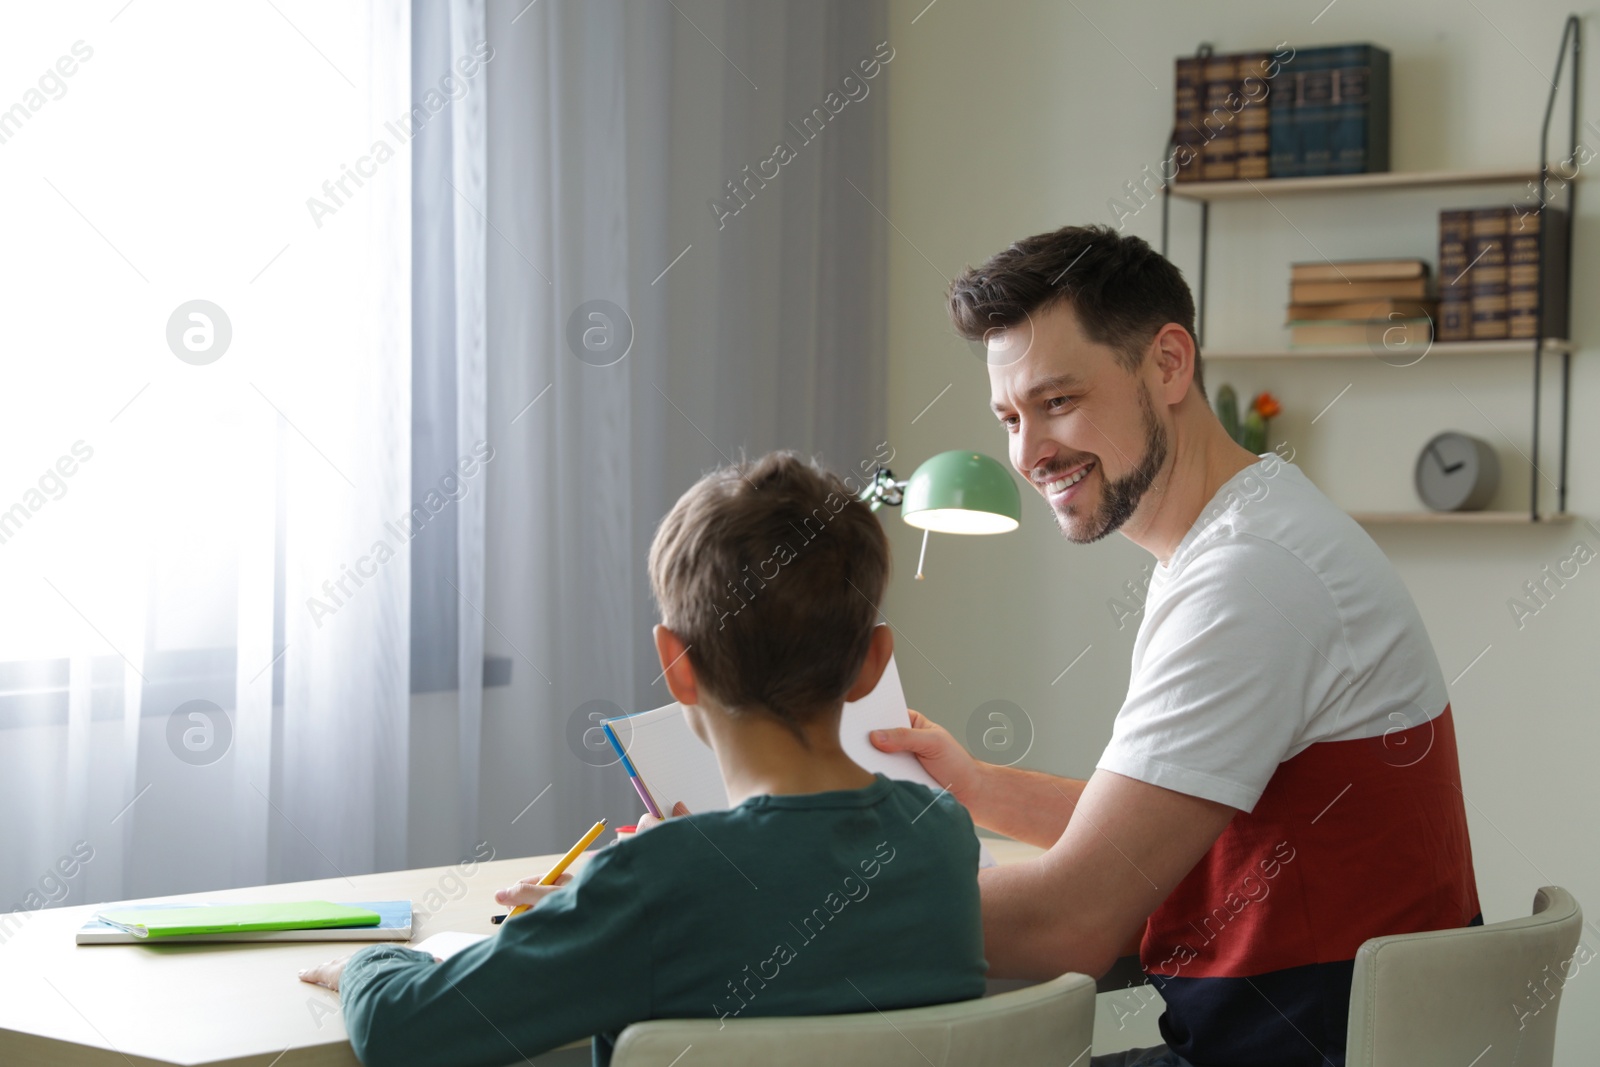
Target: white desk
{"type": "Point", "coordinates": [66, 1005]}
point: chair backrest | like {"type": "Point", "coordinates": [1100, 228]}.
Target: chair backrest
{"type": "Point", "coordinates": [1050, 1023]}
{"type": "Point", "coordinates": [1484, 995]}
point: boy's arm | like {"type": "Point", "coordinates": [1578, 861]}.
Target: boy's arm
{"type": "Point", "coordinates": [576, 965]}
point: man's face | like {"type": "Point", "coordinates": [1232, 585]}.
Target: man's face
{"type": "Point", "coordinates": [1083, 431]}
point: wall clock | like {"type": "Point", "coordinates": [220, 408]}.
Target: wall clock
{"type": "Point", "coordinates": [1456, 472]}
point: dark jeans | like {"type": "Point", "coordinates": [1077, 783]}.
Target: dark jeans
{"type": "Point", "coordinates": [1141, 1057]}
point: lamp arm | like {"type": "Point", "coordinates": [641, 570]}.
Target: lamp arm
{"type": "Point", "coordinates": [883, 489]}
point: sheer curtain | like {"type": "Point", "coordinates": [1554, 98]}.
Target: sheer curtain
{"type": "Point", "coordinates": [353, 381]}
{"type": "Point", "coordinates": [639, 336]}
{"type": "Point", "coordinates": [203, 666]}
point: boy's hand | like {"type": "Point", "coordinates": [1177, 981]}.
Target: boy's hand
{"type": "Point", "coordinates": [940, 754]}
{"type": "Point", "coordinates": [528, 891]}
{"type": "Point", "coordinates": [647, 820]}
{"type": "Point", "coordinates": [325, 974]}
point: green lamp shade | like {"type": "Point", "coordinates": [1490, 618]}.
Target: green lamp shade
{"type": "Point", "coordinates": [964, 493]}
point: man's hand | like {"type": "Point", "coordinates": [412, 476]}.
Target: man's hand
{"type": "Point", "coordinates": [941, 755]}
{"type": "Point", "coordinates": [646, 821]}
{"type": "Point", "coordinates": [325, 974]}
{"type": "Point", "coordinates": [529, 891]}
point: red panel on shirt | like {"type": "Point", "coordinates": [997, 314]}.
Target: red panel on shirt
{"type": "Point", "coordinates": [1351, 840]}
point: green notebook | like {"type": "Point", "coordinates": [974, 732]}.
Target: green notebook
{"type": "Point", "coordinates": [236, 918]}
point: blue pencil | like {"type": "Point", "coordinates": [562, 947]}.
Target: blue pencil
{"type": "Point", "coordinates": [633, 775]}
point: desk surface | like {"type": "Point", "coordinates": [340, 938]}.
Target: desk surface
{"type": "Point", "coordinates": [236, 1004]}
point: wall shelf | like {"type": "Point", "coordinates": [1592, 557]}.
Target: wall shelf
{"type": "Point", "coordinates": [1459, 518]}
{"type": "Point", "coordinates": [1204, 193]}
{"type": "Point", "coordinates": [1354, 183]}
{"type": "Point", "coordinates": [1438, 348]}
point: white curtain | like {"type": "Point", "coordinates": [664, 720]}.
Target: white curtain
{"type": "Point", "coordinates": [203, 669]}
{"type": "Point", "coordinates": [351, 595]}
{"type": "Point", "coordinates": [612, 128]}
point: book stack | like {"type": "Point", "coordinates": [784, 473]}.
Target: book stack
{"type": "Point", "coordinates": [1220, 118]}
{"type": "Point", "coordinates": [1364, 301]}
{"type": "Point", "coordinates": [1332, 113]}
{"type": "Point", "coordinates": [1288, 114]}
{"type": "Point", "coordinates": [1495, 272]}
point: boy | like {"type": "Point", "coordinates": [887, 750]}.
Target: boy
{"type": "Point", "coordinates": [823, 889]}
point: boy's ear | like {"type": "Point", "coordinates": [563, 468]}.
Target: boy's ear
{"type": "Point", "coordinates": [676, 668]}
{"type": "Point", "coordinates": [879, 650]}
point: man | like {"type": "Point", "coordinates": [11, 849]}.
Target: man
{"type": "Point", "coordinates": [1281, 782]}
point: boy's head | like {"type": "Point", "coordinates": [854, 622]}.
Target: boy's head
{"type": "Point", "coordinates": [770, 573]}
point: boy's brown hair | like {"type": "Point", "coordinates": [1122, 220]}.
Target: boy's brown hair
{"type": "Point", "coordinates": [771, 573]}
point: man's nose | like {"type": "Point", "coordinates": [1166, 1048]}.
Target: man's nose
{"type": "Point", "coordinates": [1030, 449]}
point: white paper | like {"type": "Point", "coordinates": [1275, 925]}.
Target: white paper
{"type": "Point", "coordinates": [676, 766]}
{"type": "Point", "coordinates": [671, 760]}
{"type": "Point", "coordinates": [882, 709]}
{"type": "Point", "coordinates": [447, 943]}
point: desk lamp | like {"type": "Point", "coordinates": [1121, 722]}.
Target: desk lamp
{"type": "Point", "coordinates": [954, 492]}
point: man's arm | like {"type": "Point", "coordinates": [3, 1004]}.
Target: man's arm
{"type": "Point", "coordinates": [1117, 848]}
{"type": "Point", "coordinates": [1028, 806]}
{"type": "Point", "coordinates": [1079, 906]}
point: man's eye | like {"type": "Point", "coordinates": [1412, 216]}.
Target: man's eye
{"type": "Point", "coordinates": [1009, 422]}
{"type": "Point", "coordinates": [1056, 403]}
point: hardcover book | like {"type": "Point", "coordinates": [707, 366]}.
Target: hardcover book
{"type": "Point", "coordinates": [1392, 334]}
{"type": "Point", "coordinates": [1537, 270]}
{"type": "Point", "coordinates": [1455, 290]}
{"type": "Point", "coordinates": [1357, 270]}
{"type": "Point", "coordinates": [1384, 308]}
{"type": "Point", "coordinates": [1343, 292]}
{"type": "Point", "coordinates": [1219, 122]}
{"type": "Point", "coordinates": [1486, 271]}
{"type": "Point", "coordinates": [1253, 144]}
{"type": "Point", "coordinates": [1188, 138]}
{"type": "Point", "coordinates": [1313, 111]}
{"type": "Point", "coordinates": [1283, 144]}
{"type": "Point", "coordinates": [1358, 121]}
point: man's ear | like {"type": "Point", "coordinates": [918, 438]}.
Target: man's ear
{"type": "Point", "coordinates": [1174, 356]}
{"type": "Point", "coordinates": [879, 650]}
{"type": "Point", "coordinates": [676, 668]}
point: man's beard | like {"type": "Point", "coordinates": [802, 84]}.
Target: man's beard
{"type": "Point", "coordinates": [1120, 499]}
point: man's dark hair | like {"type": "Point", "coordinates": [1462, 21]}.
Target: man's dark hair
{"type": "Point", "coordinates": [771, 572]}
{"type": "Point", "coordinates": [1121, 290]}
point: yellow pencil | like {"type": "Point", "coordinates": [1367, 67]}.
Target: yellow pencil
{"type": "Point", "coordinates": [566, 861]}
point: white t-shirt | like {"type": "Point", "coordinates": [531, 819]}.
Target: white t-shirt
{"type": "Point", "coordinates": [1278, 623]}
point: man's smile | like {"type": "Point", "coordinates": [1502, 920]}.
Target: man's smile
{"type": "Point", "coordinates": [1061, 489]}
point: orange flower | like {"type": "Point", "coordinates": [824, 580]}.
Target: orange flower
{"type": "Point", "coordinates": [1266, 405]}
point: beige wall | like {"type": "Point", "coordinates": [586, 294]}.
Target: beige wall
{"type": "Point", "coordinates": [1012, 118]}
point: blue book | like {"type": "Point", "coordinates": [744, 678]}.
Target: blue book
{"type": "Point", "coordinates": [1330, 112]}
{"type": "Point", "coordinates": [1314, 110]}
{"type": "Point", "coordinates": [1358, 123]}
{"type": "Point", "coordinates": [1283, 143]}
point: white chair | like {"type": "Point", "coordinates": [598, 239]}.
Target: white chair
{"type": "Point", "coordinates": [1050, 1023]}
{"type": "Point", "coordinates": [1483, 995]}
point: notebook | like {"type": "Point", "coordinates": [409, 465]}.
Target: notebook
{"type": "Point", "coordinates": [676, 766]}
{"type": "Point", "coordinates": [387, 920]}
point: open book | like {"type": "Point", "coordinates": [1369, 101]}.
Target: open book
{"type": "Point", "coordinates": [675, 765]}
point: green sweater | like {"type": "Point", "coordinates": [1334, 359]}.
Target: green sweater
{"type": "Point", "coordinates": [837, 902]}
